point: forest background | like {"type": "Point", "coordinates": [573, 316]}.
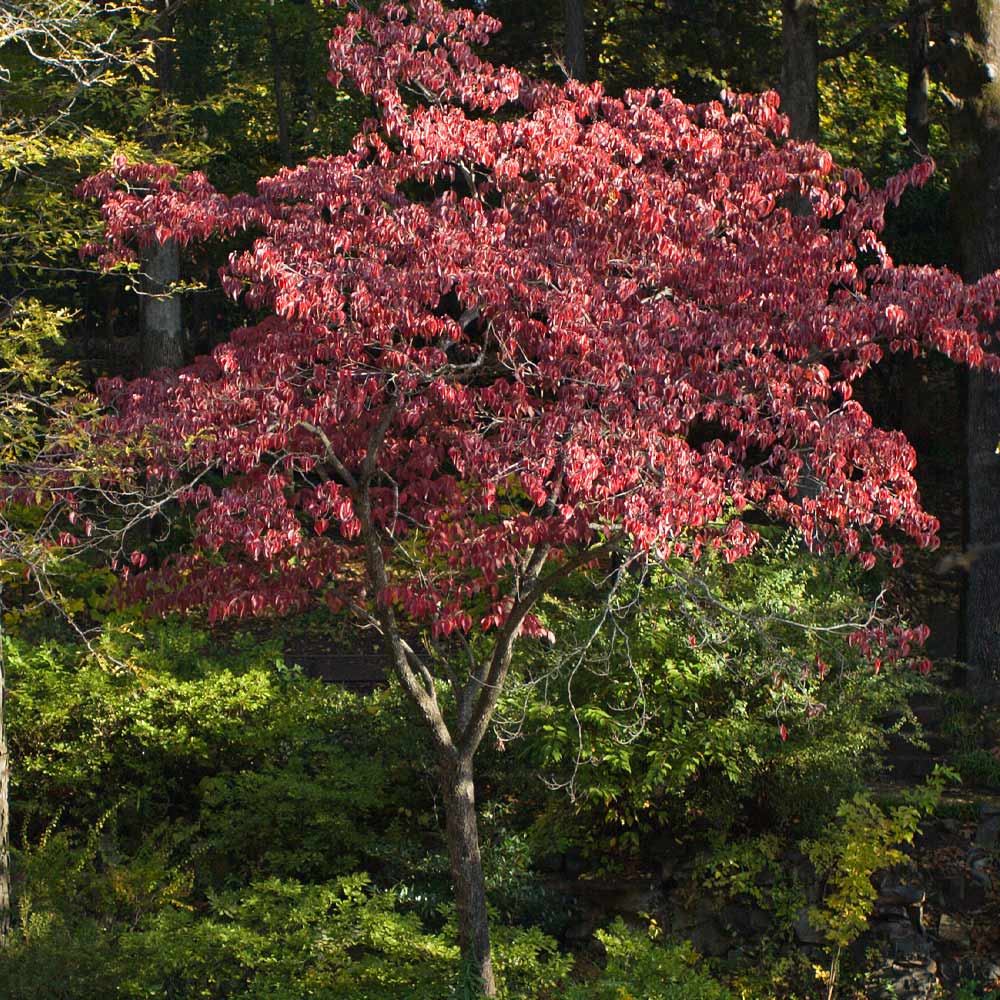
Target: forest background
{"type": "Point", "coordinates": [196, 813]}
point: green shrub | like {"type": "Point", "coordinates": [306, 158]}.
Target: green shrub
{"type": "Point", "coordinates": [672, 716]}
{"type": "Point", "coordinates": [978, 767]}
{"type": "Point", "coordinates": [281, 775]}
{"type": "Point", "coordinates": [272, 940]}
{"type": "Point", "coordinates": [641, 968]}
{"type": "Point", "coordinates": [866, 838]}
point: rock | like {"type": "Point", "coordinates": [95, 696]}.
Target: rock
{"type": "Point", "coordinates": [709, 940]}
{"type": "Point", "coordinates": [911, 948]}
{"type": "Point", "coordinates": [901, 895]}
{"type": "Point", "coordinates": [746, 921]}
{"type": "Point", "coordinates": [987, 970]}
{"type": "Point", "coordinates": [899, 983]}
{"type": "Point", "coordinates": [972, 967]}
{"type": "Point", "coordinates": [952, 931]}
{"type": "Point", "coordinates": [952, 891]}
{"type": "Point", "coordinates": [978, 861]}
{"type": "Point", "coordinates": [988, 833]}
{"type": "Point", "coordinates": [668, 868]}
{"type": "Point", "coordinates": [805, 932]}
{"type": "Point", "coordinates": [950, 970]}
{"type": "Point", "coordinates": [686, 916]}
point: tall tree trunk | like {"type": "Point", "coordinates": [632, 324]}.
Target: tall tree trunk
{"type": "Point", "coordinates": [161, 330]}
{"type": "Point", "coordinates": [5, 901]}
{"type": "Point", "coordinates": [281, 106]}
{"type": "Point", "coordinates": [576, 39]}
{"type": "Point", "coordinates": [976, 216]}
{"type": "Point", "coordinates": [458, 788]}
{"type": "Point", "coordinates": [162, 333]}
{"type": "Point", "coordinates": [800, 67]}
{"type": "Point", "coordinates": [918, 75]}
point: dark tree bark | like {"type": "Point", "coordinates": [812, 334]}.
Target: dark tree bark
{"type": "Point", "coordinates": [918, 75]}
{"type": "Point", "coordinates": [280, 102]}
{"type": "Point", "coordinates": [800, 67]}
{"type": "Point", "coordinates": [972, 74]}
{"type": "Point", "coordinates": [162, 343]}
{"type": "Point", "coordinates": [458, 789]}
{"type": "Point", "coordinates": [5, 900]}
{"type": "Point", "coordinates": [576, 39]}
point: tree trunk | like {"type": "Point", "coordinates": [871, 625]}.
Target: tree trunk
{"type": "Point", "coordinates": [5, 913]}
{"type": "Point", "coordinates": [976, 216]}
{"type": "Point", "coordinates": [800, 67]}
{"type": "Point", "coordinates": [161, 334]}
{"type": "Point", "coordinates": [918, 76]}
{"type": "Point", "coordinates": [576, 40]}
{"type": "Point", "coordinates": [458, 787]}
{"type": "Point", "coordinates": [281, 107]}
{"type": "Point", "coordinates": [162, 331]}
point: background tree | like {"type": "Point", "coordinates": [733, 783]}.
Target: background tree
{"type": "Point", "coordinates": [800, 67]}
{"type": "Point", "coordinates": [976, 217]}
{"type": "Point", "coordinates": [576, 39]}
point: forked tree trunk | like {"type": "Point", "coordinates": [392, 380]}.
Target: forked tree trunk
{"type": "Point", "coordinates": [800, 67]}
{"type": "Point", "coordinates": [462, 832]}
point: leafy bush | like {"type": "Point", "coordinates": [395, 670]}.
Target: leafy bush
{"type": "Point", "coordinates": [744, 706]}
{"type": "Point", "coordinates": [865, 839]}
{"type": "Point", "coordinates": [281, 774]}
{"type": "Point", "coordinates": [273, 940]}
{"type": "Point", "coordinates": [640, 968]}
{"type": "Point", "coordinates": [978, 767]}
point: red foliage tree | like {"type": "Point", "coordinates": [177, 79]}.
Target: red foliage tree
{"type": "Point", "coordinates": [519, 327]}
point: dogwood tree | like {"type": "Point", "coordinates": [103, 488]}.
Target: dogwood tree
{"type": "Point", "coordinates": [520, 330]}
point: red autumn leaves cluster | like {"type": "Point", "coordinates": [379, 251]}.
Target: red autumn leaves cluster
{"type": "Point", "coordinates": [560, 317]}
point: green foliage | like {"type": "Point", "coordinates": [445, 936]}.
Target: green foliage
{"type": "Point", "coordinates": [977, 767]}
{"type": "Point", "coordinates": [755, 870]}
{"type": "Point", "coordinates": [274, 939]}
{"type": "Point", "coordinates": [282, 775]}
{"type": "Point", "coordinates": [228, 58]}
{"type": "Point", "coordinates": [641, 968]}
{"type": "Point", "coordinates": [865, 839]}
{"type": "Point", "coordinates": [690, 736]}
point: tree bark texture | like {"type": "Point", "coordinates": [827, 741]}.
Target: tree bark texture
{"type": "Point", "coordinates": [918, 75]}
{"type": "Point", "coordinates": [162, 331]}
{"type": "Point", "coordinates": [458, 788]}
{"type": "Point", "coordinates": [576, 39]}
{"type": "Point", "coordinates": [800, 67]}
{"type": "Point", "coordinates": [280, 102]}
{"type": "Point", "coordinates": [976, 215]}
{"type": "Point", "coordinates": [5, 900]}
{"type": "Point", "coordinates": [161, 334]}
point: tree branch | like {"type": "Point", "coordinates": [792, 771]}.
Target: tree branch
{"type": "Point", "coordinates": [490, 687]}
{"type": "Point", "coordinates": [873, 32]}
{"type": "Point", "coordinates": [331, 456]}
